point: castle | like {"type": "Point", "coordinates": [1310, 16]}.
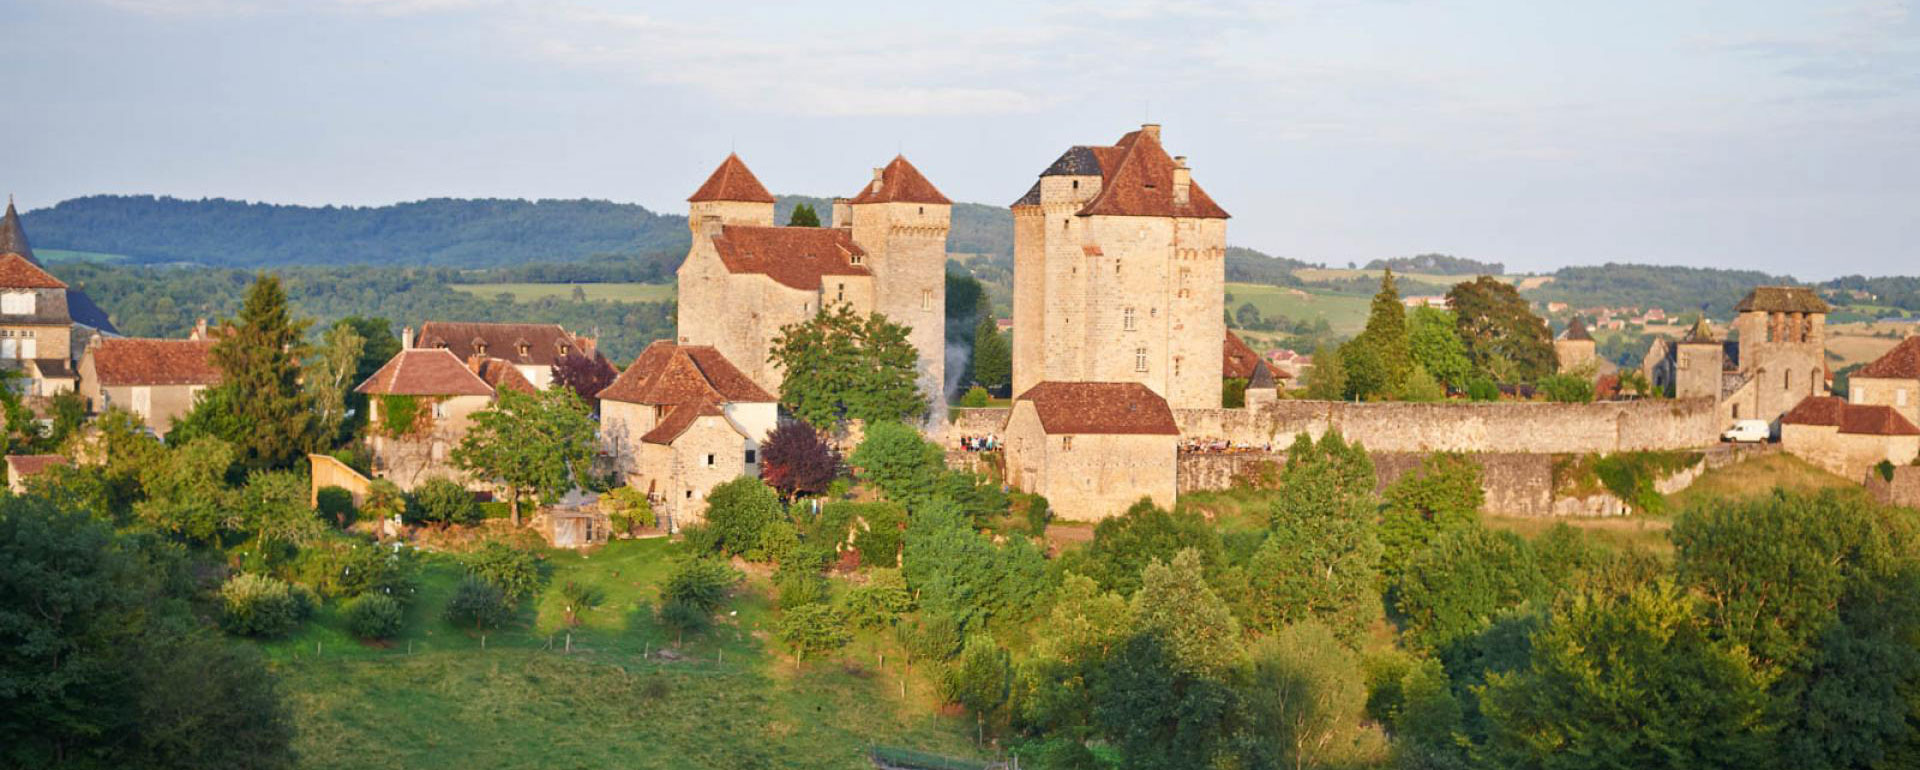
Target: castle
{"type": "Point", "coordinates": [1778, 360]}
{"type": "Point", "coordinates": [744, 278]}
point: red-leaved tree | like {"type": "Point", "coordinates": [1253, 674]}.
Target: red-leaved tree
{"type": "Point", "coordinates": [796, 461]}
{"type": "Point", "coordinates": [585, 375]}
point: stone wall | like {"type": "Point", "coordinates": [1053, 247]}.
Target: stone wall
{"type": "Point", "coordinates": [1904, 489]}
{"type": "Point", "coordinates": [976, 422]}
{"type": "Point", "coordinates": [1538, 428]}
{"type": "Point", "coordinates": [1848, 455]}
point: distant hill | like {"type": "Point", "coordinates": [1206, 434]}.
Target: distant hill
{"type": "Point", "coordinates": [440, 232]}
{"type": "Point", "coordinates": [1438, 264]}
{"type": "Point", "coordinates": [1671, 288]}
{"type": "Point", "coordinates": [1245, 265]}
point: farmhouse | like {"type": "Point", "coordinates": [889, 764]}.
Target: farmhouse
{"type": "Point", "coordinates": [680, 420]}
{"type": "Point", "coordinates": [419, 406]}
{"type": "Point", "coordinates": [1892, 380]}
{"type": "Point", "coordinates": [156, 379]}
{"type": "Point", "coordinates": [1092, 448]}
{"type": "Point", "coordinates": [531, 348]}
{"type": "Point", "coordinates": [40, 316]}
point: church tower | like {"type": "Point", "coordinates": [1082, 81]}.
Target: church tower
{"type": "Point", "coordinates": [901, 221]}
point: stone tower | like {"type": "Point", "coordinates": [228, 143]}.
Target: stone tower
{"type": "Point", "coordinates": [901, 221]}
{"type": "Point", "coordinates": [1119, 274]}
{"type": "Point", "coordinates": [1783, 347]}
{"type": "Point", "coordinates": [1575, 346]}
{"type": "Point", "coordinates": [1698, 363]}
{"type": "Point", "coordinates": [732, 195]}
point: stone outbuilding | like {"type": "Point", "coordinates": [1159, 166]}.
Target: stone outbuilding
{"type": "Point", "coordinates": [1092, 448]}
{"type": "Point", "coordinates": [1892, 380]}
{"type": "Point", "coordinates": [419, 406]}
{"type": "Point", "coordinates": [1240, 362]}
{"type": "Point", "coordinates": [681, 420]}
{"type": "Point", "coordinates": [1848, 439]}
{"type": "Point", "coordinates": [23, 467]}
{"type": "Point", "coordinates": [158, 380]}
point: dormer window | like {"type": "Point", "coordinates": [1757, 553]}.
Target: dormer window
{"type": "Point", "coordinates": [855, 259]}
{"type": "Point", "coordinates": [526, 349]}
{"type": "Point", "coordinates": [564, 350]}
{"type": "Point", "coordinates": [480, 348]}
{"type": "Point", "coordinates": [17, 303]}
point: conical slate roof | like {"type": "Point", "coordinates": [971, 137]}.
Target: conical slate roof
{"type": "Point", "coordinates": [732, 182]}
{"type": "Point", "coordinates": [13, 239]}
{"type": "Point", "coordinates": [1576, 331]}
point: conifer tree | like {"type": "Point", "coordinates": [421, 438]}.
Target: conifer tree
{"type": "Point", "coordinates": [803, 216]}
{"type": "Point", "coordinates": [259, 354]}
{"type": "Point", "coordinates": [992, 355]}
{"type": "Point", "coordinates": [1379, 360]}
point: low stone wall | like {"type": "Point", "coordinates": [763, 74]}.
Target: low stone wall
{"type": "Point", "coordinates": [1904, 489]}
{"type": "Point", "coordinates": [976, 422]}
{"type": "Point", "coordinates": [1530, 427]}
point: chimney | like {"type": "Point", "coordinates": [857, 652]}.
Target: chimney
{"type": "Point", "coordinates": [1152, 130]}
{"type": "Point", "coordinates": [876, 179]}
{"type": "Point", "coordinates": [200, 329]}
{"type": "Point", "coordinates": [406, 338]}
{"type": "Point", "coordinates": [1182, 180]}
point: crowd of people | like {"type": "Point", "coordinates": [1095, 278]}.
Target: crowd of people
{"type": "Point", "coordinates": [985, 443]}
{"type": "Point", "coordinates": [1197, 445]}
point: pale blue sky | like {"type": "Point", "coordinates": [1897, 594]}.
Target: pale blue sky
{"type": "Point", "coordinates": [1778, 135]}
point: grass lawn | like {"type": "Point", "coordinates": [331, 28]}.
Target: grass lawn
{"type": "Point", "coordinates": [1346, 313]}
{"type": "Point", "coordinates": [614, 292]}
{"type": "Point", "coordinates": [1755, 477]}
{"type": "Point", "coordinates": [733, 699]}
{"type": "Point", "coordinates": [65, 255]}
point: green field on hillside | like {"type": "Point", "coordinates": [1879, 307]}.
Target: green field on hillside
{"type": "Point", "coordinates": [529, 292]}
{"type": "Point", "coordinates": [1318, 274]}
{"type": "Point", "coordinates": [729, 698]}
{"type": "Point", "coordinates": [1346, 313]}
{"type": "Point", "coordinates": [65, 255]}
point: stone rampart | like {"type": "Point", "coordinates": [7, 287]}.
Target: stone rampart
{"type": "Point", "coordinates": [1904, 489]}
{"type": "Point", "coordinates": [1533, 427]}
{"type": "Point", "coordinates": [976, 422]}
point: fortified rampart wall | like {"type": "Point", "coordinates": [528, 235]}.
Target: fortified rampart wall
{"type": "Point", "coordinates": [1534, 428]}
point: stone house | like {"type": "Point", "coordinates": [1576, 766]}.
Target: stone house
{"type": "Point", "coordinates": [744, 278]}
{"type": "Point", "coordinates": [531, 348]}
{"type": "Point", "coordinates": [159, 380]}
{"type": "Point", "coordinates": [23, 467]}
{"type": "Point", "coordinates": [1092, 448]}
{"type": "Point", "coordinates": [1891, 380]}
{"type": "Point", "coordinates": [681, 420]}
{"type": "Point", "coordinates": [1119, 273]}
{"type": "Point", "coordinates": [1777, 360]}
{"type": "Point", "coordinates": [420, 404]}
{"type": "Point", "coordinates": [1848, 439]}
{"type": "Point", "coordinates": [40, 316]}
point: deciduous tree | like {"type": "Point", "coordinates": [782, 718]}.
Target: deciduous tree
{"type": "Point", "coordinates": [839, 366]}
{"type": "Point", "coordinates": [797, 461]}
{"type": "Point", "coordinates": [540, 443]}
{"type": "Point", "coordinates": [1504, 339]}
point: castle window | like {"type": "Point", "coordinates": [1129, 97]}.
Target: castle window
{"type": "Point", "coordinates": [1900, 397]}
{"type": "Point", "coordinates": [1066, 443]}
{"type": "Point", "coordinates": [842, 294]}
{"type": "Point", "coordinates": [926, 299]}
{"type": "Point", "coordinates": [1786, 379]}
{"type": "Point", "coordinates": [1139, 359]}
{"type": "Point", "coordinates": [1064, 223]}
{"type": "Point", "coordinates": [1736, 411]}
{"type": "Point", "coordinates": [1682, 363]}
{"type": "Point", "coordinates": [1076, 184]}
{"type": "Point", "coordinates": [752, 457]}
{"type": "Point", "coordinates": [439, 410]}
{"type": "Point", "coordinates": [923, 209]}
{"type": "Point", "coordinates": [709, 461]}
{"type": "Point", "coordinates": [525, 349]}
{"type": "Point", "coordinates": [854, 258]}
{"type": "Point", "coordinates": [1127, 320]}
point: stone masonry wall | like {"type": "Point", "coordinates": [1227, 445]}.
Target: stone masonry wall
{"type": "Point", "coordinates": [1539, 428]}
{"type": "Point", "coordinates": [1903, 490]}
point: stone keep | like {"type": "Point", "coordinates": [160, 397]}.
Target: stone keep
{"type": "Point", "coordinates": [1782, 347]}
{"type": "Point", "coordinates": [1119, 274]}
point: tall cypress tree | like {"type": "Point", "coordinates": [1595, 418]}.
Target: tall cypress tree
{"type": "Point", "coordinates": [992, 355]}
{"type": "Point", "coordinates": [259, 358]}
{"type": "Point", "coordinates": [1382, 355]}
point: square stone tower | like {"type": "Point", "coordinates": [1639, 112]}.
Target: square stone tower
{"type": "Point", "coordinates": [901, 221]}
{"type": "Point", "coordinates": [1699, 363]}
{"type": "Point", "coordinates": [1783, 346]}
{"type": "Point", "coordinates": [1120, 274]}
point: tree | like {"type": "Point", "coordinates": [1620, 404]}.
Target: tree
{"type": "Point", "coordinates": [812, 628]}
{"type": "Point", "coordinates": [274, 507]}
{"type": "Point", "coordinates": [1627, 682]}
{"type": "Point", "coordinates": [803, 216]}
{"type": "Point", "coordinates": [1504, 339]}
{"type": "Point", "coordinates": [578, 598]}
{"type": "Point", "coordinates": [1442, 495]}
{"type": "Point", "coordinates": [797, 461]}
{"type": "Point", "coordinates": [586, 375]}
{"type": "Point", "coordinates": [259, 356]}
{"type": "Point", "coordinates": [442, 501]}
{"type": "Point", "coordinates": [187, 494]}
{"type": "Point", "coordinates": [1161, 715]}
{"type": "Point", "coordinates": [841, 366]}
{"type": "Point", "coordinates": [331, 377]}
{"type": "Point", "coordinates": [1301, 699]}
{"type": "Point", "coordinates": [1327, 380]}
{"type": "Point", "coordinates": [1322, 550]}
{"type": "Point", "coordinates": [515, 571]}
{"type": "Point", "coordinates": [979, 680]}
{"type": "Point", "coordinates": [738, 512]}
{"type": "Point", "coordinates": [898, 461]}
{"type": "Point", "coordinates": [1124, 545]}
{"type": "Point", "coordinates": [1379, 360]}
{"type": "Point", "coordinates": [1457, 587]}
{"type": "Point", "coordinates": [480, 603]}
{"type": "Point", "coordinates": [1567, 388]}
{"type": "Point", "coordinates": [700, 583]}
{"type": "Point", "coordinates": [992, 355]}
{"type": "Point", "coordinates": [541, 443]}
{"type": "Point", "coordinates": [258, 605]}
{"type": "Point", "coordinates": [378, 346]}
{"type": "Point", "coordinates": [1434, 340]}
{"type": "Point", "coordinates": [1176, 605]}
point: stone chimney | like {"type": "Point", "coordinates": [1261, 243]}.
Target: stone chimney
{"type": "Point", "coordinates": [406, 338]}
{"type": "Point", "coordinates": [842, 212]}
{"type": "Point", "coordinates": [1182, 180]}
{"type": "Point", "coordinates": [876, 179]}
{"type": "Point", "coordinates": [199, 329]}
{"type": "Point", "coordinates": [1152, 130]}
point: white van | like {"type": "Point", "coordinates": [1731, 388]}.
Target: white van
{"type": "Point", "coordinates": [1748, 432]}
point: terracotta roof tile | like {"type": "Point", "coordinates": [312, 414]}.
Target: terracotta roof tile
{"type": "Point", "coordinates": [543, 344]}
{"type": "Point", "coordinates": [679, 420]}
{"type": "Point", "coordinates": [1240, 360]}
{"type": "Point", "coordinates": [732, 182]}
{"type": "Point", "coordinates": [1100, 408]}
{"type": "Point", "coordinates": [794, 256]}
{"type": "Point", "coordinates": [1859, 419]}
{"type": "Point", "coordinates": [1137, 180]}
{"type": "Point", "coordinates": [25, 466]}
{"type": "Point", "coordinates": [669, 373]}
{"type": "Point", "coordinates": [425, 372]}
{"type": "Point", "coordinates": [17, 272]}
{"type": "Point", "coordinates": [1900, 363]}
{"type": "Point", "coordinates": [120, 361]}
{"type": "Point", "coordinates": [500, 375]}
{"type": "Point", "coordinates": [1782, 299]}
{"type": "Point", "coordinates": [900, 182]}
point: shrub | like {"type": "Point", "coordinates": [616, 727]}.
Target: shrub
{"type": "Point", "coordinates": [579, 598]}
{"type": "Point", "coordinates": [1481, 388]}
{"type": "Point", "coordinates": [799, 588]}
{"type": "Point", "coordinates": [1037, 511]}
{"type": "Point", "coordinates": [384, 500]}
{"type": "Point", "coordinates": [348, 566]}
{"type": "Point", "coordinates": [777, 540]}
{"type": "Point", "coordinates": [880, 601]}
{"type": "Point", "coordinates": [257, 605]}
{"type": "Point", "coordinates": [700, 538]}
{"type": "Point", "coordinates": [1885, 469]}
{"type": "Point", "coordinates": [975, 398]}
{"type": "Point", "coordinates": [479, 603]}
{"type": "Point", "coordinates": [442, 501]}
{"type": "Point", "coordinates": [879, 542]}
{"type": "Point", "coordinates": [737, 512]}
{"type": "Point", "coordinates": [628, 510]}
{"type": "Point", "coordinates": [374, 616]}
{"type": "Point", "coordinates": [514, 571]}
{"type": "Point", "coordinates": [1567, 388]}
{"type": "Point", "coordinates": [681, 617]}
{"type": "Point", "coordinates": [334, 504]}
{"type": "Point", "coordinates": [700, 583]}
{"type": "Point", "coordinates": [812, 628]}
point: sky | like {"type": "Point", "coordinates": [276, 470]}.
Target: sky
{"type": "Point", "coordinates": [1780, 136]}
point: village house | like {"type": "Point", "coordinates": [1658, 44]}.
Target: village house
{"type": "Point", "coordinates": [1848, 439]}
{"type": "Point", "coordinates": [1092, 448]}
{"type": "Point", "coordinates": [420, 404]}
{"type": "Point", "coordinates": [744, 278]}
{"type": "Point", "coordinates": [23, 467]}
{"type": "Point", "coordinates": [1892, 380]}
{"type": "Point", "coordinates": [681, 420]}
{"type": "Point", "coordinates": [157, 380]}
{"type": "Point", "coordinates": [40, 316]}
{"type": "Point", "coordinates": [531, 348]}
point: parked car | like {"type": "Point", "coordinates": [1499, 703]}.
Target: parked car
{"type": "Point", "coordinates": [1748, 432]}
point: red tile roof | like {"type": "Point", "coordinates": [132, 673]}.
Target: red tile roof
{"type": "Point", "coordinates": [1240, 360]}
{"type": "Point", "coordinates": [544, 344]}
{"type": "Point", "coordinates": [425, 372]}
{"type": "Point", "coordinates": [1850, 418]}
{"type": "Point", "coordinates": [24, 466]}
{"type": "Point", "coordinates": [1900, 363]}
{"type": "Point", "coordinates": [732, 182]}
{"type": "Point", "coordinates": [17, 272]}
{"type": "Point", "coordinates": [1100, 408]}
{"type": "Point", "coordinates": [1137, 180]}
{"type": "Point", "coordinates": [679, 420]}
{"type": "Point", "coordinates": [900, 182]}
{"type": "Point", "coordinates": [669, 373]}
{"type": "Point", "coordinates": [500, 375]}
{"type": "Point", "coordinates": [123, 361]}
{"type": "Point", "coordinates": [794, 256]}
